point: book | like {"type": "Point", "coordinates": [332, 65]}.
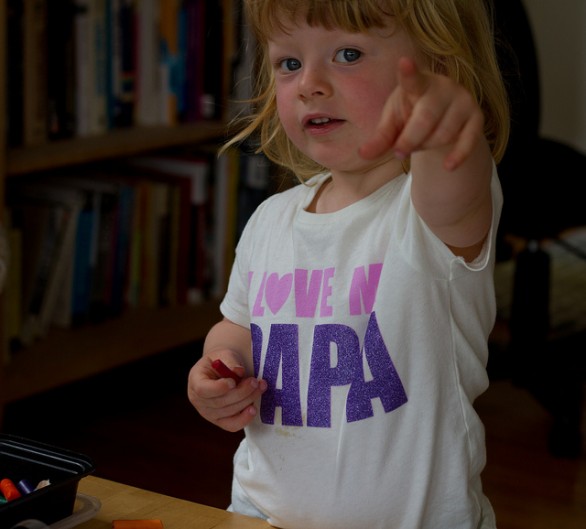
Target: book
{"type": "Point", "coordinates": [14, 72]}
{"type": "Point", "coordinates": [194, 58]}
{"type": "Point", "coordinates": [189, 175]}
{"type": "Point", "coordinates": [123, 62]}
{"type": "Point", "coordinates": [170, 65]}
{"type": "Point", "coordinates": [82, 67]}
{"type": "Point", "coordinates": [95, 263]}
{"type": "Point", "coordinates": [229, 33]}
{"type": "Point", "coordinates": [211, 106]}
{"type": "Point", "coordinates": [90, 37]}
{"type": "Point", "coordinates": [105, 247]}
{"type": "Point", "coordinates": [148, 82]}
{"type": "Point", "coordinates": [255, 171]}
{"type": "Point", "coordinates": [98, 119]}
{"type": "Point", "coordinates": [61, 66]}
{"type": "Point", "coordinates": [169, 287]}
{"type": "Point", "coordinates": [102, 248]}
{"type": "Point", "coordinates": [144, 237]}
{"type": "Point", "coordinates": [82, 266]}
{"type": "Point", "coordinates": [200, 269]}
{"type": "Point", "coordinates": [243, 69]}
{"type": "Point", "coordinates": [180, 79]}
{"type": "Point", "coordinates": [226, 179]}
{"type": "Point", "coordinates": [126, 204]}
{"type": "Point", "coordinates": [11, 261]}
{"type": "Point", "coordinates": [47, 217]}
{"type": "Point", "coordinates": [35, 72]}
{"type": "Point", "coordinates": [155, 233]}
{"type": "Point", "coordinates": [136, 243]}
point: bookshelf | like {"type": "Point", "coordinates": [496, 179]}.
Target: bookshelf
{"type": "Point", "coordinates": [3, 392]}
{"type": "Point", "coordinates": [116, 144]}
{"type": "Point", "coordinates": [67, 355]}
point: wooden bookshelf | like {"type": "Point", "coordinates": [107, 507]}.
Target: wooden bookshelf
{"type": "Point", "coordinates": [64, 356]}
{"type": "Point", "coordinates": [2, 109]}
{"type": "Point", "coordinates": [2, 170]}
{"type": "Point", "coordinates": [116, 144]}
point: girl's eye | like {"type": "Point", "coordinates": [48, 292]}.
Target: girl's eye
{"type": "Point", "coordinates": [289, 65]}
{"type": "Point", "coordinates": [348, 55]}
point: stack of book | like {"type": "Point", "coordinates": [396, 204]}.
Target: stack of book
{"type": "Point", "coordinates": [149, 232]}
{"type": "Point", "coordinates": [81, 67]}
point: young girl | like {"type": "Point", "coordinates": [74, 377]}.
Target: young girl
{"type": "Point", "coordinates": [360, 303]}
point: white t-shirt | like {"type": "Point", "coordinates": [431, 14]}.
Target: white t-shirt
{"type": "Point", "coordinates": [372, 336]}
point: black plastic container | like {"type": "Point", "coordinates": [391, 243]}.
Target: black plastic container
{"type": "Point", "coordinates": [25, 459]}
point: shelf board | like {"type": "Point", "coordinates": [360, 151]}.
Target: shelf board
{"type": "Point", "coordinates": [65, 356]}
{"type": "Point", "coordinates": [115, 144]}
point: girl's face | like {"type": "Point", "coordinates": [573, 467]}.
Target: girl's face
{"type": "Point", "coordinates": [331, 86]}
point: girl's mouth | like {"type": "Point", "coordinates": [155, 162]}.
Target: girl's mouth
{"type": "Point", "coordinates": [319, 121]}
{"type": "Point", "coordinates": [322, 124]}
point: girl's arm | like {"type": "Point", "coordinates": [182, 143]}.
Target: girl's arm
{"type": "Point", "coordinates": [455, 204]}
{"type": "Point", "coordinates": [220, 400]}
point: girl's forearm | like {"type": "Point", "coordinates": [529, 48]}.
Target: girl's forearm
{"type": "Point", "coordinates": [456, 205]}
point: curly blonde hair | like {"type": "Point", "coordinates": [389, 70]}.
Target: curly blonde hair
{"type": "Point", "coordinates": [454, 36]}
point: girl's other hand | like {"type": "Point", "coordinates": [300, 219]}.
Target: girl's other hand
{"type": "Point", "coordinates": [220, 400]}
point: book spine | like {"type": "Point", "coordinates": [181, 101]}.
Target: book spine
{"type": "Point", "coordinates": [61, 66]}
{"type": "Point", "coordinates": [33, 323]}
{"type": "Point", "coordinates": [12, 262]}
{"type": "Point", "coordinates": [98, 54]}
{"type": "Point", "coordinates": [35, 72]}
{"type": "Point", "coordinates": [211, 106]}
{"type": "Point", "coordinates": [194, 56]}
{"type": "Point", "coordinates": [79, 68]}
{"type": "Point", "coordinates": [147, 66]}
{"type": "Point", "coordinates": [60, 284]}
{"type": "Point", "coordinates": [122, 247]}
{"type": "Point", "coordinates": [15, 72]}
{"type": "Point", "coordinates": [102, 281]}
{"type": "Point", "coordinates": [80, 296]}
{"type": "Point", "coordinates": [123, 57]}
{"type": "Point", "coordinates": [83, 70]}
{"type": "Point", "coordinates": [169, 61]}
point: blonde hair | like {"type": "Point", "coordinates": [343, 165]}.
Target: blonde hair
{"type": "Point", "coordinates": [454, 36]}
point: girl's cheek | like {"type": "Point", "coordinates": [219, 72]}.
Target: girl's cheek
{"type": "Point", "coordinates": [286, 113]}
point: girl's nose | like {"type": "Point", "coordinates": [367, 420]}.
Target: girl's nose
{"type": "Point", "coordinates": [313, 83]}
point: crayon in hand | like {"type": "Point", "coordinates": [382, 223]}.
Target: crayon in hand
{"type": "Point", "coordinates": [224, 371]}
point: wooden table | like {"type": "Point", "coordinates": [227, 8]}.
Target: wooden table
{"type": "Point", "coordinates": [124, 502]}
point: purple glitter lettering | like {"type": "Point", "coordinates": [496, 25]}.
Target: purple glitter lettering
{"type": "Point", "coordinates": [306, 296]}
{"type": "Point", "coordinates": [323, 376]}
{"type": "Point", "coordinates": [256, 334]}
{"type": "Point", "coordinates": [277, 290]}
{"type": "Point", "coordinates": [282, 351]}
{"type": "Point", "coordinates": [386, 383]}
{"type": "Point", "coordinates": [258, 309]}
{"type": "Point", "coordinates": [363, 290]}
{"type": "Point", "coordinates": [326, 309]}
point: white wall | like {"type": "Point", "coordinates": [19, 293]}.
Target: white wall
{"type": "Point", "coordinates": [559, 28]}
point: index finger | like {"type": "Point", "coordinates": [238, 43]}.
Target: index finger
{"type": "Point", "coordinates": [411, 84]}
{"type": "Point", "coordinates": [410, 78]}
